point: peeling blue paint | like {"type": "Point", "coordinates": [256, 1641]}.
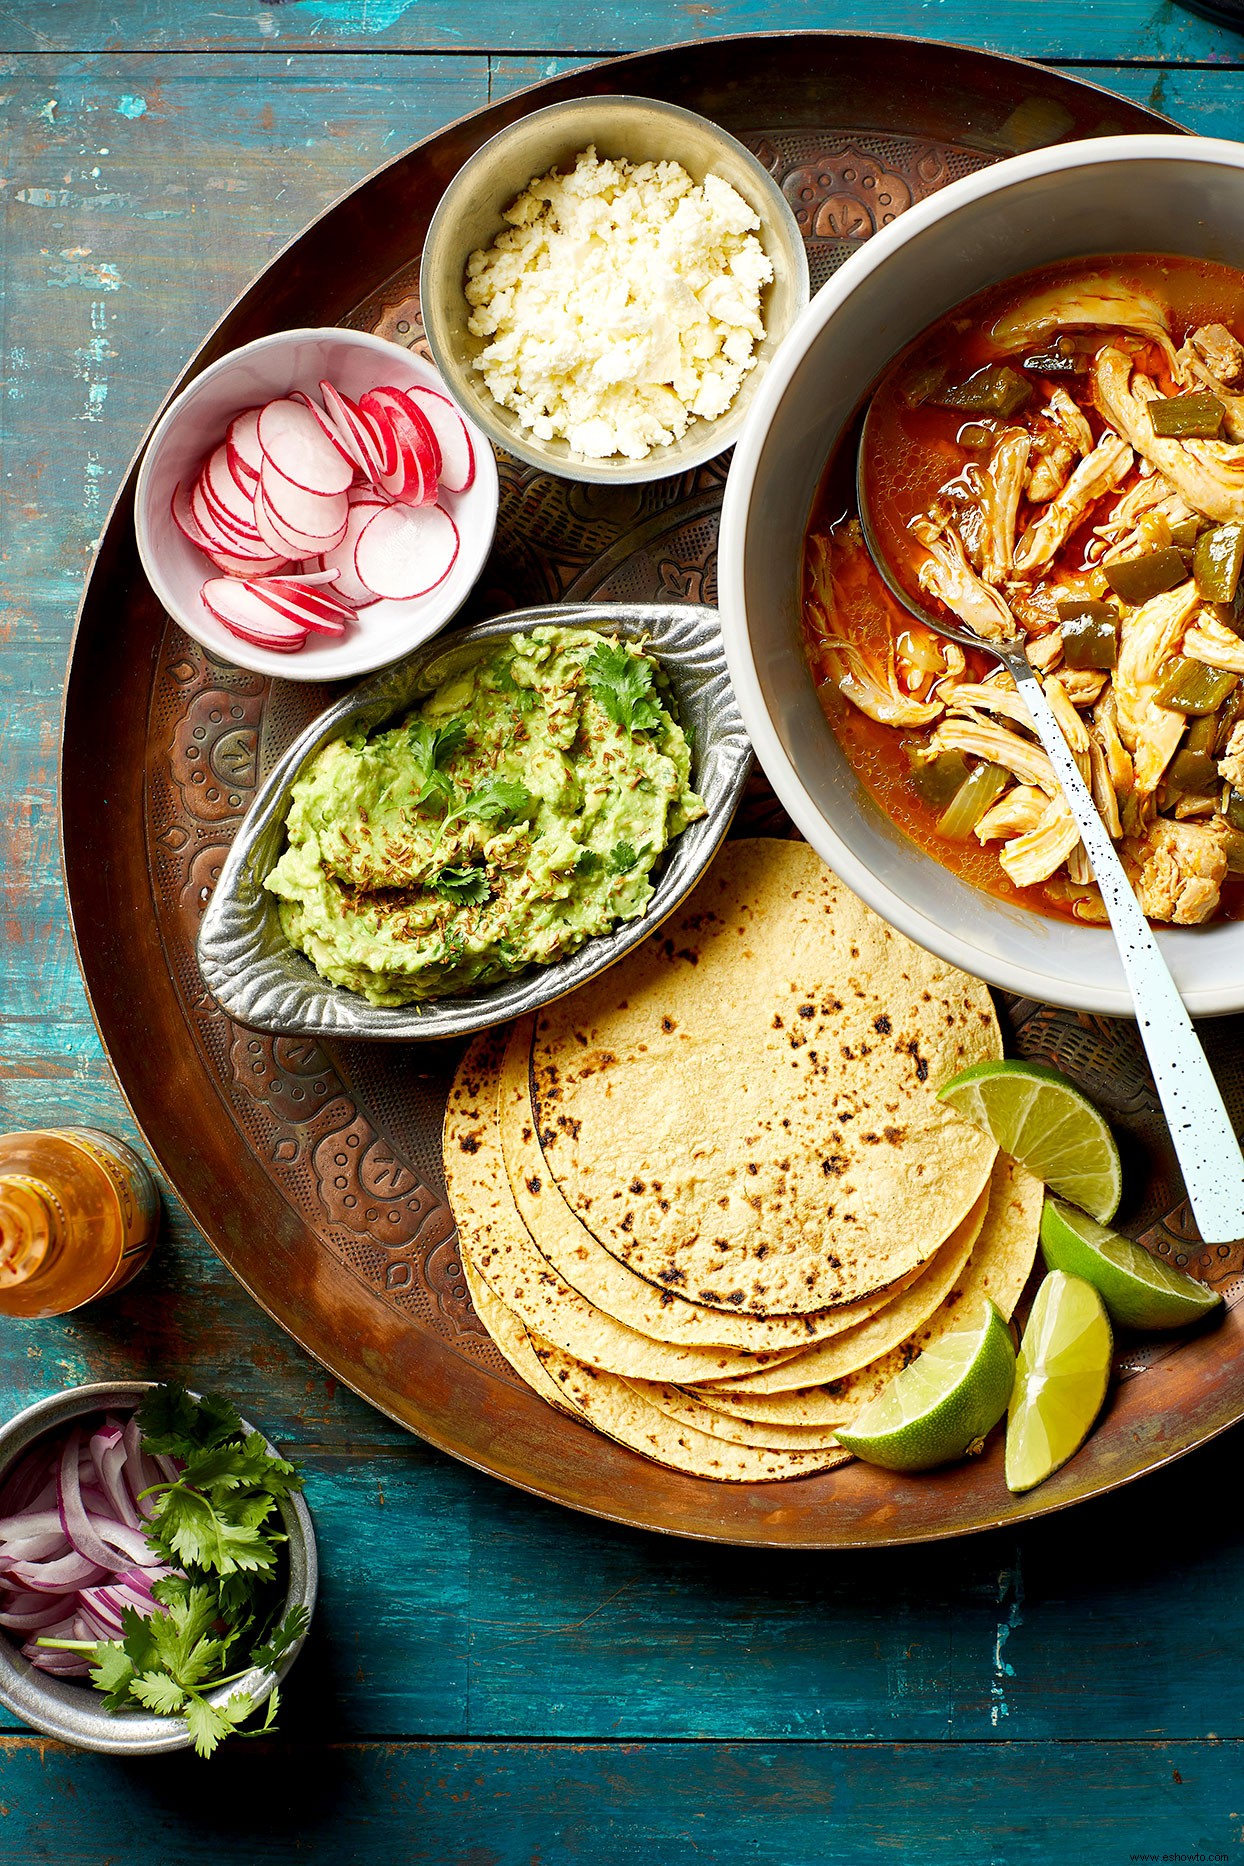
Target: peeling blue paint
{"type": "Point", "coordinates": [132, 106]}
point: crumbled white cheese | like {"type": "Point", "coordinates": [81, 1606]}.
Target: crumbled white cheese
{"type": "Point", "coordinates": [622, 300]}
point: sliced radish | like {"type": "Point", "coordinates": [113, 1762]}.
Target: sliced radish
{"type": "Point", "coordinates": [223, 534]}
{"type": "Point", "coordinates": [240, 609]}
{"type": "Point", "coordinates": [293, 606]}
{"type": "Point", "coordinates": [341, 559]}
{"type": "Point", "coordinates": [339, 441]}
{"type": "Point", "coordinates": [312, 578]}
{"type": "Point", "coordinates": [247, 566]}
{"type": "Point", "coordinates": [294, 542]}
{"type": "Point", "coordinates": [351, 430]}
{"type": "Point", "coordinates": [412, 478]}
{"type": "Point", "coordinates": [184, 518]}
{"type": "Point", "coordinates": [218, 481]}
{"type": "Point", "coordinates": [315, 514]}
{"type": "Point", "coordinates": [424, 439]}
{"type": "Point", "coordinates": [406, 551]}
{"type": "Point", "coordinates": [242, 443]}
{"type": "Point", "coordinates": [298, 447]}
{"type": "Point", "coordinates": [457, 453]}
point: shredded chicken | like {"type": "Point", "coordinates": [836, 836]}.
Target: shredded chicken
{"type": "Point", "coordinates": [1052, 459]}
{"type": "Point", "coordinates": [1212, 642]}
{"type": "Point", "coordinates": [1102, 787]}
{"type": "Point", "coordinates": [1083, 685]}
{"type": "Point", "coordinates": [1093, 302]}
{"type": "Point", "coordinates": [858, 681]}
{"type": "Point", "coordinates": [1149, 637]}
{"type": "Point", "coordinates": [1020, 810]}
{"type": "Point", "coordinates": [984, 738]}
{"type": "Point", "coordinates": [1035, 855]}
{"type": "Point", "coordinates": [1101, 471]}
{"type": "Point", "coordinates": [1212, 359]}
{"type": "Point", "coordinates": [1045, 651]}
{"type": "Point", "coordinates": [1208, 474]}
{"type": "Point", "coordinates": [947, 575]}
{"type": "Point", "coordinates": [1105, 729]}
{"type": "Point", "coordinates": [1180, 868]}
{"type": "Point", "coordinates": [1231, 764]}
{"type": "Point", "coordinates": [1085, 902]}
{"type": "Point", "coordinates": [986, 696]}
{"type": "Point", "coordinates": [1002, 485]}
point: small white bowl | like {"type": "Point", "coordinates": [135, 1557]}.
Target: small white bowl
{"type": "Point", "coordinates": [193, 424]}
{"type": "Point", "coordinates": [1115, 194]}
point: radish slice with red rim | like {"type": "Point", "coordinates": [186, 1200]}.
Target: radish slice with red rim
{"type": "Point", "coordinates": [412, 480]}
{"type": "Point", "coordinates": [341, 558]}
{"type": "Point", "coordinates": [313, 514]}
{"type": "Point", "coordinates": [403, 404]}
{"type": "Point", "coordinates": [242, 438]}
{"type": "Point", "coordinates": [457, 452]}
{"type": "Point", "coordinates": [342, 442]}
{"type": "Point", "coordinates": [298, 447]}
{"type": "Point", "coordinates": [405, 551]}
{"type": "Point", "coordinates": [294, 542]}
{"type": "Point", "coordinates": [249, 614]}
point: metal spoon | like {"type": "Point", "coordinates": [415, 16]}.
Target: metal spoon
{"type": "Point", "coordinates": [1201, 1131]}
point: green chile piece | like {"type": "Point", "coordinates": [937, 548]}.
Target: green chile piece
{"type": "Point", "coordinates": [1090, 632]}
{"type": "Point", "coordinates": [995, 390]}
{"type": "Point", "coordinates": [1191, 687]}
{"type": "Point", "coordinates": [1190, 771]}
{"type": "Point", "coordinates": [939, 779]}
{"type": "Point", "coordinates": [1187, 417]}
{"type": "Point", "coordinates": [1233, 845]}
{"type": "Point", "coordinates": [1217, 561]}
{"type": "Point", "coordinates": [965, 811]}
{"type": "Point", "coordinates": [1139, 579]}
{"type": "Point", "coordinates": [1234, 811]}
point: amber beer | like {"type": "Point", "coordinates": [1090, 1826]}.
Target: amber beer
{"type": "Point", "coordinates": [79, 1214]}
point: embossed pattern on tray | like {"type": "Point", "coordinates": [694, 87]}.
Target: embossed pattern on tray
{"type": "Point", "coordinates": [339, 1223]}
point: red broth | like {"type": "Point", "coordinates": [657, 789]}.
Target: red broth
{"type": "Point", "coordinates": [916, 451]}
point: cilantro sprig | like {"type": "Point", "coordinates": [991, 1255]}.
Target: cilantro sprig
{"type": "Point", "coordinates": [213, 1521]}
{"type": "Point", "coordinates": [622, 686]}
{"type": "Point", "coordinates": [430, 746]}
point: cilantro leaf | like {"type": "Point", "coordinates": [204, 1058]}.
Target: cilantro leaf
{"type": "Point", "coordinates": [192, 1531]}
{"type": "Point", "coordinates": [466, 887]}
{"type": "Point", "coordinates": [431, 745]}
{"type": "Point", "coordinates": [522, 699]}
{"type": "Point", "coordinates": [112, 1671]}
{"type": "Point", "coordinates": [621, 858]}
{"type": "Point", "coordinates": [587, 862]}
{"type": "Point", "coordinates": [159, 1693]}
{"type": "Point", "coordinates": [287, 1634]}
{"type": "Point", "coordinates": [496, 799]}
{"type": "Point", "coordinates": [207, 1725]}
{"type": "Point", "coordinates": [622, 686]}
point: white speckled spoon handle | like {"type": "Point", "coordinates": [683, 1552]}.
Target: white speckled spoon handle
{"type": "Point", "coordinates": [1201, 1131]}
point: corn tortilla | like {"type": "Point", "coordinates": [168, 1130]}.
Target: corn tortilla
{"type": "Point", "coordinates": [743, 1110]}
{"type": "Point", "coordinates": [561, 1237]}
{"type": "Point", "coordinates": [497, 1242]}
{"type": "Point", "coordinates": [830, 1360]}
{"type": "Point", "coordinates": [683, 1406]}
{"type": "Point", "coordinates": [618, 1411]}
{"type": "Point", "coordinates": [509, 1337]}
{"type": "Point", "coordinates": [998, 1267]}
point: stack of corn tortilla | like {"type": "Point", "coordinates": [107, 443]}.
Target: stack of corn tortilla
{"type": "Point", "coordinates": [710, 1202]}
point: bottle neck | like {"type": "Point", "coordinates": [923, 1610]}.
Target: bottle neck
{"type": "Point", "coordinates": [31, 1228]}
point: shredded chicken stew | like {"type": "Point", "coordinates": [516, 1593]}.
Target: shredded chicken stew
{"type": "Point", "coordinates": [1062, 458]}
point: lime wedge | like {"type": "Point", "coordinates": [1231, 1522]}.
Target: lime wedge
{"type": "Point", "coordinates": [1140, 1291]}
{"type": "Point", "coordinates": [948, 1398]}
{"type": "Point", "coordinates": [1042, 1120]}
{"type": "Point", "coordinates": [1060, 1379]}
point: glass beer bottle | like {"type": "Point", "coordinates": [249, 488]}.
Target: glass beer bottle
{"type": "Point", "coordinates": [78, 1218]}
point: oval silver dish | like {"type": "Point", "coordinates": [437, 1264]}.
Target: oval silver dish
{"type": "Point", "coordinates": [260, 980]}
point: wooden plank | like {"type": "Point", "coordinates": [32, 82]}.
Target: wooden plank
{"type": "Point", "coordinates": [658, 1804]}
{"type": "Point", "coordinates": [1125, 30]}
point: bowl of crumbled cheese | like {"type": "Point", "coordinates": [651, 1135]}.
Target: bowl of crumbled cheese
{"type": "Point", "coordinates": [604, 285]}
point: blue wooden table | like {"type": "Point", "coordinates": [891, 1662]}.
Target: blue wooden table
{"type": "Point", "coordinates": [490, 1681]}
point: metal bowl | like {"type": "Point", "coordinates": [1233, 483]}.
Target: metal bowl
{"type": "Point", "coordinates": [74, 1711]}
{"type": "Point", "coordinates": [260, 980]}
{"type": "Point", "coordinates": [469, 216]}
{"type": "Point", "coordinates": [1124, 194]}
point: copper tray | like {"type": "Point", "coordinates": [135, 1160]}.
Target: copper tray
{"type": "Point", "coordinates": [314, 1168]}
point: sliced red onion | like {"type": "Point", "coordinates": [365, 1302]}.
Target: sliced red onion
{"type": "Point", "coordinates": [33, 1548]}
{"type": "Point", "coordinates": [170, 1468]}
{"type": "Point", "coordinates": [131, 1543]}
{"type": "Point", "coordinates": [32, 1620]}
{"type": "Point", "coordinates": [60, 1664]}
{"type": "Point", "coordinates": [108, 1450]}
{"type": "Point", "coordinates": [59, 1577]}
{"type": "Point", "coordinates": [77, 1523]}
{"type": "Point", "coordinates": [30, 1523]}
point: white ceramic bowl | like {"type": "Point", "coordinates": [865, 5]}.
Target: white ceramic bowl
{"type": "Point", "coordinates": [1156, 194]}
{"type": "Point", "coordinates": [195, 422]}
{"type": "Point", "coordinates": [641, 129]}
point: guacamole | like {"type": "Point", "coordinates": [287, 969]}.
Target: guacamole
{"type": "Point", "coordinates": [514, 814]}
